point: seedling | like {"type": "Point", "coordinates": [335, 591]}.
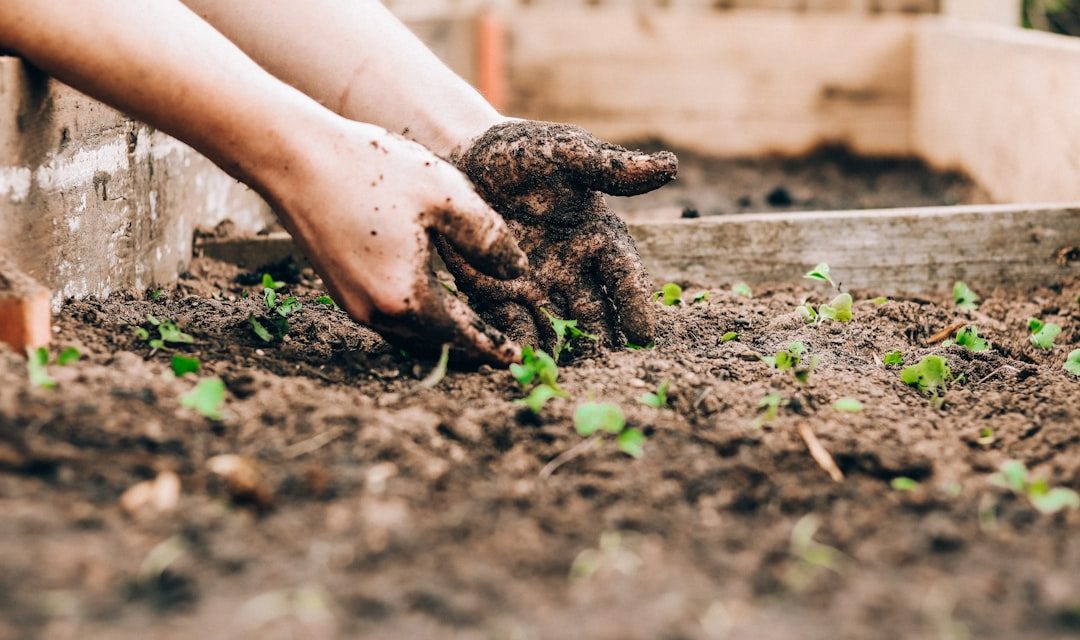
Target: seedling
{"type": "Point", "coordinates": [793, 359]}
{"type": "Point", "coordinates": [903, 483]}
{"type": "Point", "coordinates": [986, 436]}
{"type": "Point", "coordinates": [540, 368]}
{"type": "Point", "coordinates": [812, 556]}
{"type": "Point", "coordinates": [658, 400]}
{"type": "Point", "coordinates": [930, 376]}
{"type": "Point", "coordinates": [1072, 363]}
{"type": "Point", "coordinates": [638, 347]}
{"type": "Point", "coordinates": [700, 296]}
{"type": "Point", "coordinates": [327, 301]}
{"type": "Point", "coordinates": [964, 297]}
{"type": "Point", "coordinates": [168, 333]}
{"type": "Point", "coordinates": [880, 301]}
{"type": "Point", "coordinates": [182, 364]}
{"type": "Point", "coordinates": [156, 294]}
{"type": "Point", "coordinates": [67, 356]}
{"type": "Point", "coordinates": [206, 398]}
{"type": "Point", "coordinates": [893, 359]}
{"type": "Point", "coordinates": [274, 325]}
{"type": "Point", "coordinates": [807, 313]}
{"type": "Point", "coordinates": [729, 336]}
{"type": "Point", "coordinates": [439, 372]}
{"type": "Point", "coordinates": [566, 332]}
{"type": "Point", "coordinates": [742, 289]}
{"type": "Point", "coordinates": [1043, 333]}
{"type": "Point", "coordinates": [848, 405]}
{"type": "Point", "coordinates": [539, 396]}
{"type": "Point", "coordinates": [839, 309]}
{"type": "Point", "coordinates": [268, 282]}
{"type": "Point", "coordinates": [670, 294]}
{"type": "Point", "coordinates": [1014, 477]}
{"type": "Point", "coordinates": [820, 273]}
{"type": "Point", "coordinates": [36, 362]}
{"type": "Point", "coordinates": [593, 417]}
{"type": "Point", "coordinates": [769, 407]}
{"type": "Point", "coordinates": [968, 338]}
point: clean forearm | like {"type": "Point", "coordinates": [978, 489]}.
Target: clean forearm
{"type": "Point", "coordinates": [357, 59]}
{"type": "Point", "coordinates": [160, 63]}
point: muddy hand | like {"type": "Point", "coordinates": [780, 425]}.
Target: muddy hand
{"type": "Point", "coordinates": [547, 180]}
{"type": "Point", "coordinates": [364, 208]}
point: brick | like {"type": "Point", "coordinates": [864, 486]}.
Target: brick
{"type": "Point", "coordinates": [25, 311]}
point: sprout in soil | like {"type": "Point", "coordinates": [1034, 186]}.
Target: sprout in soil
{"type": "Point", "coordinates": [327, 301]}
{"type": "Point", "coordinates": [903, 483]}
{"type": "Point", "coordinates": [539, 368]}
{"type": "Point", "coordinates": [68, 355]}
{"type": "Point", "coordinates": [1043, 333]}
{"type": "Point", "coordinates": [968, 338]}
{"type": "Point", "coordinates": [274, 325]}
{"type": "Point", "coordinates": [893, 359]}
{"type": "Point", "coordinates": [700, 296]}
{"type": "Point", "coordinates": [670, 294]}
{"type": "Point", "coordinates": [206, 398]}
{"type": "Point", "coordinates": [168, 333]}
{"type": "Point", "coordinates": [821, 273]}
{"type": "Point", "coordinates": [268, 282]}
{"type": "Point", "coordinates": [964, 297]}
{"type": "Point", "coordinates": [807, 313]}
{"type": "Point", "coordinates": [1072, 363]}
{"type": "Point", "coordinates": [839, 309]}
{"type": "Point", "coordinates": [439, 372]}
{"type": "Point", "coordinates": [812, 556]}
{"type": "Point", "coordinates": [880, 301]}
{"type": "Point", "coordinates": [768, 408]}
{"type": "Point", "coordinates": [566, 332]}
{"type": "Point", "coordinates": [742, 289]}
{"type": "Point", "coordinates": [793, 359]}
{"type": "Point", "coordinates": [986, 436]}
{"type": "Point", "coordinates": [37, 362]}
{"type": "Point", "coordinates": [848, 405]}
{"type": "Point", "coordinates": [930, 376]}
{"type": "Point", "coordinates": [639, 347]}
{"type": "Point", "coordinates": [593, 417]}
{"type": "Point", "coordinates": [658, 400]}
{"type": "Point", "coordinates": [729, 336]}
{"type": "Point", "coordinates": [1014, 477]}
{"type": "Point", "coordinates": [182, 364]}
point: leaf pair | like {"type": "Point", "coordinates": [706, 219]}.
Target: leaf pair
{"type": "Point", "coordinates": [1013, 476]}
{"type": "Point", "coordinates": [1043, 333]}
{"type": "Point", "coordinates": [37, 361]}
{"type": "Point", "coordinates": [539, 368]}
{"type": "Point", "coordinates": [168, 333]}
{"type": "Point", "coordinates": [930, 376]}
{"type": "Point", "coordinates": [593, 417]}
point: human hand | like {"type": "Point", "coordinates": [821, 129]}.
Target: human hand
{"type": "Point", "coordinates": [362, 203]}
{"type": "Point", "coordinates": [546, 179]}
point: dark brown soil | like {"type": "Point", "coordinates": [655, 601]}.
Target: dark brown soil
{"type": "Point", "coordinates": [402, 512]}
{"type": "Point", "coordinates": [830, 178]}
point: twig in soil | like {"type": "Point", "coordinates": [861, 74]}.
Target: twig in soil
{"type": "Point", "coordinates": [819, 454]}
{"type": "Point", "coordinates": [313, 443]}
{"type": "Point", "coordinates": [576, 451]}
{"type": "Point", "coordinates": [997, 371]}
{"type": "Point", "coordinates": [946, 332]}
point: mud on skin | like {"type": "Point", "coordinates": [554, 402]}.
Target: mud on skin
{"type": "Point", "coordinates": [403, 512]}
{"type": "Point", "coordinates": [548, 180]}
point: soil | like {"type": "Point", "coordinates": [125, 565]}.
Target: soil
{"type": "Point", "coordinates": [829, 178]}
{"type": "Point", "coordinates": [369, 506]}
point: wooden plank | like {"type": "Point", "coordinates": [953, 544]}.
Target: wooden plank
{"type": "Point", "coordinates": [889, 251]}
{"type": "Point", "coordinates": [1001, 104]}
{"type": "Point", "coordinates": [717, 82]}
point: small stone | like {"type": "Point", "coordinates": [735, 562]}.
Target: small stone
{"type": "Point", "coordinates": [243, 480]}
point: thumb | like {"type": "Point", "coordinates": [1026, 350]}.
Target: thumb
{"type": "Point", "coordinates": [621, 172]}
{"type": "Point", "coordinates": [481, 235]}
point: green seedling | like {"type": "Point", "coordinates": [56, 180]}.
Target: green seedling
{"type": "Point", "coordinates": [68, 355]}
{"type": "Point", "coordinates": [593, 417]}
{"type": "Point", "coordinates": [880, 301]}
{"type": "Point", "coordinates": [793, 359]}
{"type": "Point", "coordinates": [839, 309]}
{"type": "Point", "coordinates": [964, 297]}
{"type": "Point", "coordinates": [268, 282]}
{"type": "Point", "coordinates": [206, 398]}
{"type": "Point", "coordinates": [1043, 333]}
{"type": "Point", "coordinates": [986, 436]}
{"type": "Point", "coordinates": [820, 273]}
{"type": "Point", "coordinates": [37, 361]}
{"type": "Point", "coordinates": [183, 364]}
{"type": "Point", "coordinates": [275, 325]}
{"type": "Point", "coordinates": [670, 294]}
{"type": "Point", "coordinates": [742, 289]}
{"type": "Point", "coordinates": [156, 294]}
{"type": "Point", "coordinates": [536, 365]}
{"type": "Point", "coordinates": [566, 332]}
{"type": "Point", "coordinates": [638, 347]}
{"type": "Point", "coordinates": [1013, 476]}
{"type": "Point", "coordinates": [903, 483]}
{"type": "Point", "coordinates": [812, 556]}
{"type": "Point", "coordinates": [807, 313]}
{"type": "Point", "coordinates": [700, 296]}
{"type": "Point", "coordinates": [968, 338]}
{"type": "Point", "coordinates": [930, 376]}
{"type": "Point", "coordinates": [168, 333]}
{"type": "Point", "coordinates": [327, 301]}
{"type": "Point", "coordinates": [658, 400]}
{"type": "Point", "coordinates": [729, 336]}
{"type": "Point", "coordinates": [768, 408]}
{"type": "Point", "coordinates": [1072, 363]}
{"type": "Point", "coordinates": [848, 405]}
{"type": "Point", "coordinates": [893, 359]}
{"type": "Point", "coordinates": [539, 397]}
{"type": "Point", "coordinates": [437, 374]}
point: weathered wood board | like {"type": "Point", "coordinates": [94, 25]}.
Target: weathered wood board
{"type": "Point", "coordinates": [889, 251]}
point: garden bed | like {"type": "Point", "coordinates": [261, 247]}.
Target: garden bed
{"type": "Point", "coordinates": [383, 509]}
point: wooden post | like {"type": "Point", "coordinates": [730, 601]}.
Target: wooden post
{"type": "Point", "coordinates": [25, 311]}
{"type": "Point", "coordinates": [491, 59]}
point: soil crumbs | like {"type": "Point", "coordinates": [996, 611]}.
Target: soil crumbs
{"type": "Point", "coordinates": [828, 178]}
{"type": "Point", "coordinates": [338, 498]}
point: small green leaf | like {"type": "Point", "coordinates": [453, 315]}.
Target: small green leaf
{"type": "Point", "coordinates": [1034, 324]}
{"type": "Point", "coordinates": [880, 301]}
{"type": "Point", "coordinates": [538, 397]}
{"type": "Point", "coordinates": [535, 365]}
{"type": "Point", "coordinates": [638, 347]}
{"type": "Point", "coordinates": [152, 319]}
{"type": "Point", "coordinates": [1054, 500]}
{"type": "Point", "coordinates": [807, 313]}
{"type": "Point", "coordinates": [288, 306]}
{"type": "Point", "coordinates": [1012, 476]}
{"type": "Point", "coordinates": [156, 344]}
{"type": "Point", "coordinates": [968, 337]}
{"type": "Point", "coordinates": [630, 442]}
{"type": "Point", "coordinates": [701, 296]}
{"type": "Point", "coordinates": [206, 398]}
{"type": "Point", "coordinates": [729, 336]}
{"type": "Point", "coordinates": [903, 483]}
{"type": "Point", "coordinates": [964, 297]}
{"type": "Point", "coordinates": [268, 282]}
{"type": "Point", "coordinates": [893, 359]}
{"type": "Point", "coordinates": [820, 272]}
{"type": "Point", "coordinates": [1072, 362]}
{"type": "Point", "coordinates": [260, 330]}
{"type": "Point", "coordinates": [326, 300]}
{"type": "Point", "coordinates": [769, 407]}
{"type": "Point", "coordinates": [183, 364]}
{"type": "Point", "coordinates": [929, 375]}
{"type": "Point", "coordinates": [593, 416]}
{"type": "Point", "coordinates": [839, 309]}
{"type": "Point", "coordinates": [141, 334]}
{"type": "Point", "coordinates": [36, 362]}
{"type": "Point", "coordinates": [848, 405]}
{"type": "Point", "coordinates": [670, 294]}
{"type": "Point", "coordinates": [156, 294]}
{"type": "Point", "coordinates": [566, 331]}
{"type": "Point", "coordinates": [986, 436]}
{"type": "Point", "coordinates": [170, 332]}
{"type": "Point", "coordinates": [742, 289]}
{"type": "Point", "coordinates": [270, 298]}
{"type": "Point", "coordinates": [67, 356]}
{"type": "Point", "coordinates": [1044, 336]}
{"type": "Point", "coordinates": [658, 400]}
